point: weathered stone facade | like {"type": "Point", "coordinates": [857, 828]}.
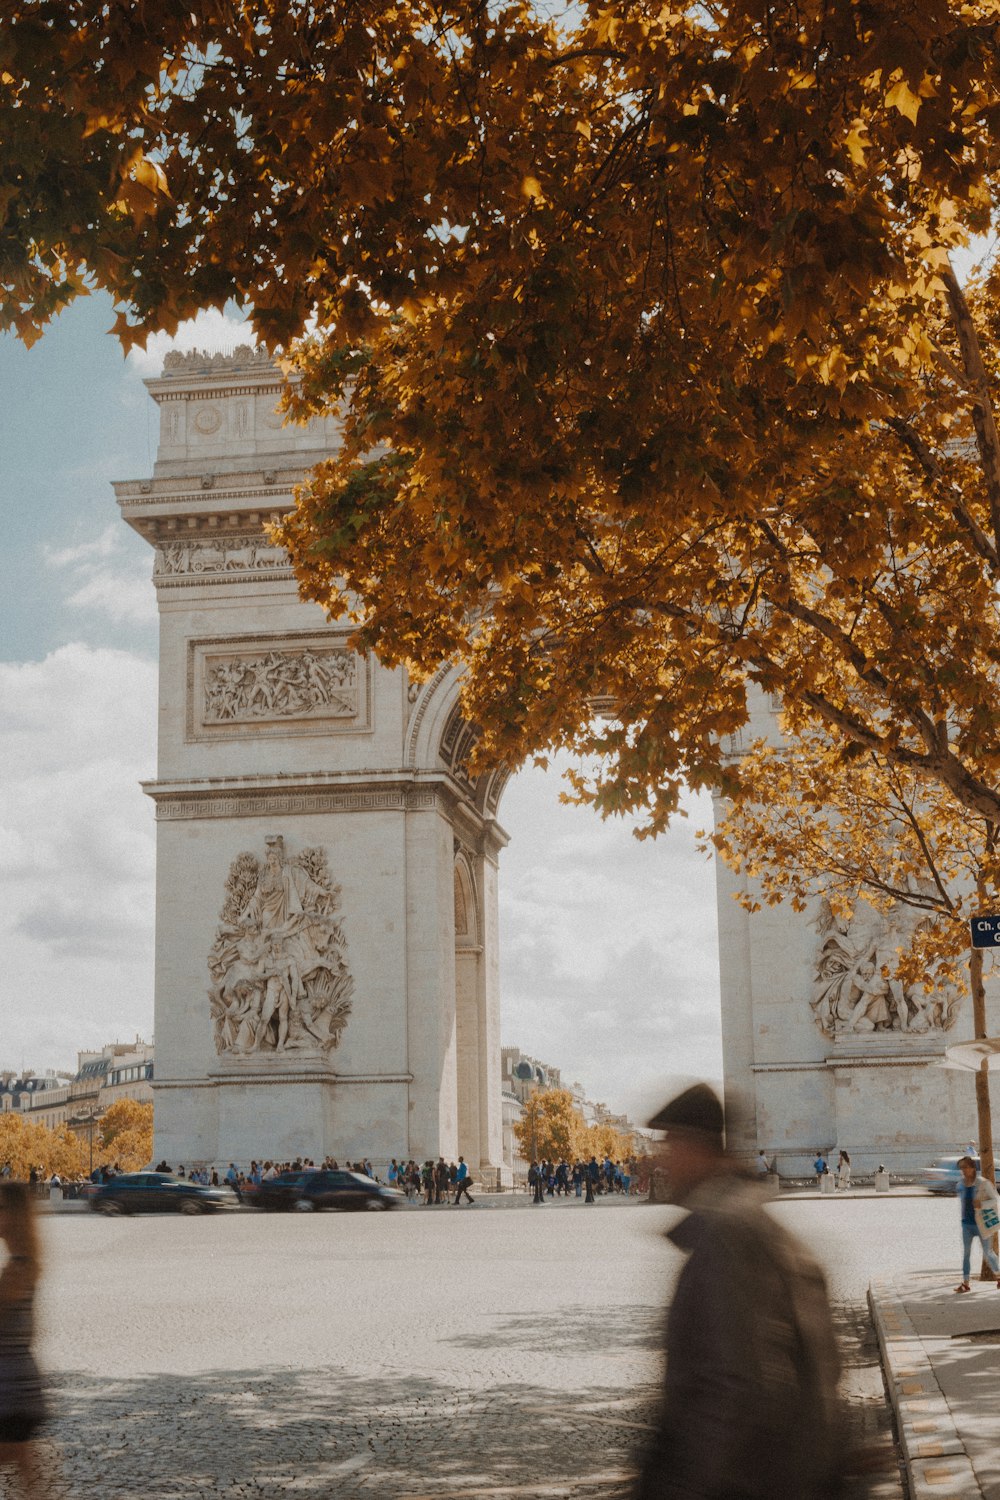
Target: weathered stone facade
{"type": "Point", "coordinates": [326, 945]}
{"type": "Point", "coordinates": [820, 1049]}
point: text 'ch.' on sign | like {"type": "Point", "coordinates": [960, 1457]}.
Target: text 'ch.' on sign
{"type": "Point", "coordinates": [985, 932]}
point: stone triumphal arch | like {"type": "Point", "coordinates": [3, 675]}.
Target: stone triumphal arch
{"type": "Point", "coordinates": [326, 944]}
{"type": "Point", "coordinates": [326, 926]}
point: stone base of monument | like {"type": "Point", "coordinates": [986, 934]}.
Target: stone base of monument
{"type": "Point", "coordinates": [285, 1112]}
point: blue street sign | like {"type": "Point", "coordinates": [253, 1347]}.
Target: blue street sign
{"type": "Point", "coordinates": [985, 932]}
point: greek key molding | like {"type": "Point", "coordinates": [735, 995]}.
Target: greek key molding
{"type": "Point", "coordinates": [915, 1060]}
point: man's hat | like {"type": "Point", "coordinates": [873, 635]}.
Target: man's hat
{"type": "Point", "coordinates": [698, 1108]}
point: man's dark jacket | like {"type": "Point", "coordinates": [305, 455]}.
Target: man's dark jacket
{"type": "Point", "coordinates": [750, 1405]}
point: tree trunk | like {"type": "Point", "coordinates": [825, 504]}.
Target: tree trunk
{"type": "Point", "coordinates": [984, 1121]}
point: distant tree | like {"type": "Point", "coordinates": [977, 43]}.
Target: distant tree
{"type": "Point", "coordinates": [27, 1144]}
{"type": "Point", "coordinates": [551, 1126]}
{"type": "Point", "coordinates": [125, 1134]}
{"type": "Point", "coordinates": [604, 1140]}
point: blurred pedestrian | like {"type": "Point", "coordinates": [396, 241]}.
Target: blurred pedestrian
{"type": "Point", "coordinates": [820, 1168]}
{"type": "Point", "coordinates": [750, 1408]}
{"type": "Point", "coordinates": [843, 1171]}
{"type": "Point", "coordinates": [977, 1200]}
{"type": "Point", "coordinates": [761, 1166]}
{"type": "Point", "coordinates": [22, 1403]}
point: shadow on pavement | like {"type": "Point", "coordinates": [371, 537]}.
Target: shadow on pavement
{"type": "Point", "coordinates": [574, 1330]}
{"type": "Point", "coordinates": [319, 1432]}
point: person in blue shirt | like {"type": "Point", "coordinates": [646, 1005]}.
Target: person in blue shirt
{"type": "Point", "coordinates": [819, 1166]}
{"type": "Point", "coordinates": [462, 1182]}
{"type": "Point", "coordinates": [977, 1199]}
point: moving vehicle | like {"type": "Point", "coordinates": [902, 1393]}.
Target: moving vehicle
{"type": "Point", "coordinates": [943, 1176]}
{"type": "Point", "coordinates": [320, 1188]}
{"type": "Point", "coordinates": [155, 1193]}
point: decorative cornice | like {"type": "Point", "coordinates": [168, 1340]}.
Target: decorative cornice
{"type": "Point", "coordinates": [257, 1078]}
{"type": "Point", "coordinates": [915, 1060]}
{"type": "Point", "coordinates": [174, 807]}
{"type": "Point", "coordinates": [136, 494]}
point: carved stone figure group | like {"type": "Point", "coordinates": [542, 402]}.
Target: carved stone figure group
{"type": "Point", "coordinates": [279, 961]}
{"type": "Point", "coordinates": [223, 556]}
{"type": "Point", "coordinates": [856, 988]}
{"type": "Point", "coordinates": [281, 684]}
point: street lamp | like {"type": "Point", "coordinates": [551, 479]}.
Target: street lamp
{"type": "Point", "coordinates": [88, 1117]}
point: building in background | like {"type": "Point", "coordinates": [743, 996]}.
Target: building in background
{"type": "Point", "coordinates": [120, 1070]}
{"type": "Point", "coordinates": [42, 1097]}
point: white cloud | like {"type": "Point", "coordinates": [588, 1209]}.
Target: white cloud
{"type": "Point", "coordinates": [77, 866]}
{"type": "Point", "coordinates": [609, 947]}
{"type": "Point", "coordinates": [109, 576]}
{"type": "Point", "coordinates": [212, 331]}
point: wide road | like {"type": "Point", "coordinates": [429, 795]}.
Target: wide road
{"type": "Point", "coordinates": [470, 1353]}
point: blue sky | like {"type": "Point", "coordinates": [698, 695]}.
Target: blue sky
{"type": "Point", "coordinates": [609, 967]}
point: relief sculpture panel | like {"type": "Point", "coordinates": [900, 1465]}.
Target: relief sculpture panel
{"type": "Point", "coordinates": [855, 987]}
{"type": "Point", "coordinates": [280, 975]}
{"type": "Point", "coordinates": [288, 685]}
{"type": "Point", "coordinates": [281, 684]}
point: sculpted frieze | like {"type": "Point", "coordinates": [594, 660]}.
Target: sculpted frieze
{"type": "Point", "coordinates": [855, 988]}
{"type": "Point", "coordinates": [225, 555]}
{"type": "Point", "coordinates": [280, 976]}
{"type": "Point", "coordinates": [281, 685]}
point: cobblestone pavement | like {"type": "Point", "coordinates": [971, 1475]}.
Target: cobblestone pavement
{"type": "Point", "coordinates": [456, 1353]}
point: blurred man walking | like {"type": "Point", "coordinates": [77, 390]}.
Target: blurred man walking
{"type": "Point", "coordinates": [750, 1408]}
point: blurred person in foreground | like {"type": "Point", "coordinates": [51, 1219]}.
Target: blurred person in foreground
{"type": "Point", "coordinates": [750, 1407]}
{"type": "Point", "coordinates": [22, 1405]}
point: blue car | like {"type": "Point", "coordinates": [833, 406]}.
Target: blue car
{"type": "Point", "coordinates": [156, 1193]}
{"type": "Point", "coordinates": [943, 1176]}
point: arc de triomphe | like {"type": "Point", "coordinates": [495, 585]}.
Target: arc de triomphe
{"type": "Point", "coordinates": [326, 924]}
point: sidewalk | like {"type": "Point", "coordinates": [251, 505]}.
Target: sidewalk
{"type": "Point", "coordinates": [939, 1353]}
{"type": "Point", "coordinates": [904, 1190]}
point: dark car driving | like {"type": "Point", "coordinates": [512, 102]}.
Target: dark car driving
{"type": "Point", "coordinates": [322, 1189]}
{"type": "Point", "coordinates": [155, 1193]}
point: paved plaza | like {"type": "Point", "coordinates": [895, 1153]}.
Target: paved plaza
{"type": "Point", "coordinates": [464, 1353]}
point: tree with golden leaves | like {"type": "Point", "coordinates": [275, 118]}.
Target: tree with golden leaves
{"type": "Point", "coordinates": [657, 376]}
{"type": "Point", "coordinates": [26, 1144]}
{"type": "Point", "coordinates": [551, 1128]}
{"type": "Point", "coordinates": [605, 1140]}
{"type": "Point", "coordinates": [125, 1133]}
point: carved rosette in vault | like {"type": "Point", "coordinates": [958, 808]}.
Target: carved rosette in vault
{"type": "Point", "coordinates": [855, 988]}
{"type": "Point", "coordinates": [281, 981]}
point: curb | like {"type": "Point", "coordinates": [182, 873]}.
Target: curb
{"type": "Point", "coordinates": [937, 1465]}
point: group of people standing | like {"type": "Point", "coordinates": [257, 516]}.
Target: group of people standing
{"type": "Point", "coordinates": [547, 1179]}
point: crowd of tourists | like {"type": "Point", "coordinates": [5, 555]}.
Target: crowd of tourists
{"type": "Point", "coordinates": [583, 1179]}
{"type": "Point", "coordinates": [438, 1182]}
